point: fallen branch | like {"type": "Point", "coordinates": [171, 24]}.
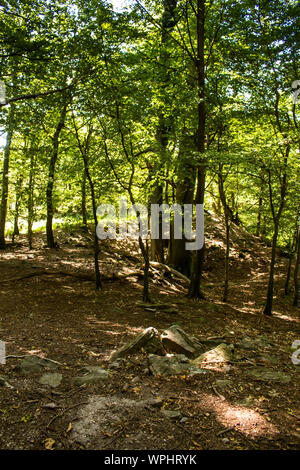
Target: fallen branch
{"type": "Point", "coordinates": [169, 270]}
{"type": "Point", "coordinates": [36, 355]}
{"type": "Point", "coordinates": [64, 411]}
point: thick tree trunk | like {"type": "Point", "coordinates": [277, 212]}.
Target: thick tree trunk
{"type": "Point", "coordinates": [198, 258]}
{"type": "Point", "coordinates": [178, 256]}
{"type": "Point", "coordinates": [51, 175]}
{"type": "Point", "coordinates": [4, 196]}
{"type": "Point", "coordinates": [162, 135]}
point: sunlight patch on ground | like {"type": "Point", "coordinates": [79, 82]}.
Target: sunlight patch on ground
{"type": "Point", "coordinates": [245, 420]}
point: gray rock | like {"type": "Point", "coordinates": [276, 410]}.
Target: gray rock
{"type": "Point", "coordinates": [177, 364]}
{"type": "Point", "coordinates": [147, 339]}
{"type": "Point", "coordinates": [269, 375]}
{"type": "Point", "coordinates": [171, 414]}
{"type": "Point", "coordinates": [53, 379]}
{"type": "Point", "coordinates": [32, 363]}
{"type": "Point", "coordinates": [222, 353]}
{"type": "Point", "coordinates": [254, 343]}
{"type": "Point", "coordinates": [93, 374]}
{"type": "Point", "coordinates": [176, 340]}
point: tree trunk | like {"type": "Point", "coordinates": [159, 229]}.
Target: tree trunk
{"type": "Point", "coordinates": [269, 301]}
{"type": "Point", "coordinates": [51, 174]}
{"type": "Point", "coordinates": [288, 275]}
{"type": "Point", "coordinates": [178, 256]}
{"type": "Point", "coordinates": [30, 200]}
{"type": "Point", "coordinates": [162, 134]}
{"type": "Point", "coordinates": [83, 203]}
{"type": "Point", "coordinates": [296, 271]}
{"type": "Point", "coordinates": [198, 258]}
{"type": "Point", "coordinates": [276, 220]}
{"type": "Point", "coordinates": [4, 196]}
{"type": "Point", "coordinates": [16, 230]}
{"type": "Point", "coordinates": [227, 225]}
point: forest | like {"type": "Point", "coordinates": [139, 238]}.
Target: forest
{"type": "Point", "coordinates": [117, 332]}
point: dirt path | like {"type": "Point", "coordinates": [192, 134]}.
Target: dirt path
{"type": "Point", "coordinates": [64, 319]}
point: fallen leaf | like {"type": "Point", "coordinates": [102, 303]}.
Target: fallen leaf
{"type": "Point", "coordinates": [49, 443]}
{"type": "Point", "coordinates": [197, 445]}
{"type": "Point", "coordinates": [69, 427]}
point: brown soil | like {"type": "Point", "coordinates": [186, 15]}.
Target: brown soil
{"type": "Point", "coordinates": [63, 318]}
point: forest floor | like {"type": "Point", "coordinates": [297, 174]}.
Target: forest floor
{"type": "Point", "coordinates": [63, 318]}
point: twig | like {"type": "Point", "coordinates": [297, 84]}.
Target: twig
{"type": "Point", "coordinates": [218, 394]}
{"type": "Point", "coordinates": [64, 411]}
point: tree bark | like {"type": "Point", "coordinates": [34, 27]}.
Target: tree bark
{"type": "Point", "coordinates": [51, 175]}
{"type": "Point", "coordinates": [83, 203]}
{"type": "Point", "coordinates": [296, 271]}
{"type": "Point", "coordinates": [198, 258]}
{"type": "Point", "coordinates": [4, 196]}
{"type": "Point", "coordinates": [162, 134]}
{"type": "Point", "coordinates": [227, 225]}
{"type": "Point", "coordinates": [30, 200]}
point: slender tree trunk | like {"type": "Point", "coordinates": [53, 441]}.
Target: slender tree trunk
{"type": "Point", "coordinates": [83, 203]}
{"type": "Point", "coordinates": [96, 240]}
{"type": "Point", "coordinates": [296, 271]}
{"type": "Point", "coordinates": [270, 292]}
{"type": "Point", "coordinates": [4, 196]}
{"type": "Point", "coordinates": [51, 175]}
{"type": "Point", "coordinates": [288, 275]}
{"type": "Point", "coordinates": [16, 230]}
{"type": "Point", "coordinates": [276, 220]}
{"type": "Point", "coordinates": [198, 258]}
{"type": "Point", "coordinates": [30, 200]}
{"type": "Point", "coordinates": [227, 225]}
{"type": "Point", "coordinates": [84, 155]}
{"type": "Point", "coordinates": [260, 201]}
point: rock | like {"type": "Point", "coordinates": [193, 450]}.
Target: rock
{"type": "Point", "coordinates": [32, 363]}
{"type": "Point", "coordinates": [269, 375]}
{"type": "Point", "coordinates": [254, 343]}
{"type": "Point", "coordinates": [93, 374]}
{"type": "Point", "coordinates": [177, 364]}
{"type": "Point", "coordinates": [147, 339]}
{"type": "Point", "coordinates": [174, 339]}
{"type": "Point", "coordinates": [171, 414]}
{"type": "Point", "coordinates": [222, 353]}
{"type": "Point", "coordinates": [53, 380]}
